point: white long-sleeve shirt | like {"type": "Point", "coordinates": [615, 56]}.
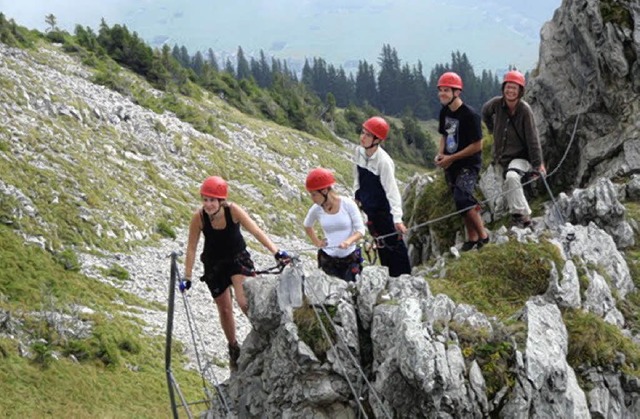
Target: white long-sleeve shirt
{"type": "Point", "coordinates": [381, 166]}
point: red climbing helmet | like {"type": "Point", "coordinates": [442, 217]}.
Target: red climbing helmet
{"type": "Point", "coordinates": [214, 187]}
{"type": "Point", "coordinates": [450, 79]}
{"type": "Point", "coordinates": [377, 126]}
{"type": "Point", "coordinates": [319, 178]}
{"type": "Point", "coordinates": [514, 76]}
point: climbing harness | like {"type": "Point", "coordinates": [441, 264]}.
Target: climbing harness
{"type": "Point", "coordinates": [274, 270]}
{"type": "Point", "coordinates": [533, 178]}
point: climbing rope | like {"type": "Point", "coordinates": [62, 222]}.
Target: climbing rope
{"type": "Point", "coordinates": [356, 363]}
{"type": "Point", "coordinates": [198, 345]}
{"type": "Point", "coordinates": [544, 177]}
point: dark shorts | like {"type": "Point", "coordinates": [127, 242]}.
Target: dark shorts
{"type": "Point", "coordinates": [345, 268]}
{"type": "Point", "coordinates": [218, 275]}
{"type": "Point", "coordinates": [463, 184]}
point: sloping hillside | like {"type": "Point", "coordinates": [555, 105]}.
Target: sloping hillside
{"type": "Point", "coordinates": [104, 186]}
{"type": "Point", "coordinates": [89, 153]}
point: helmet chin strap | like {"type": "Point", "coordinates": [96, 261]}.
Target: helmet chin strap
{"type": "Point", "coordinates": [453, 99]}
{"type": "Point", "coordinates": [219, 208]}
{"type": "Point", "coordinates": [373, 144]}
{"type": "Point", "coordinates": [326, 198]}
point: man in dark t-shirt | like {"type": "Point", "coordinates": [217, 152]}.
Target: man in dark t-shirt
{"type": "Point", "coordinates": [460, 155]}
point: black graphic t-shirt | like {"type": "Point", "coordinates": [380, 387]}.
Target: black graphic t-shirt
{"type": "Point", "coordinates": [460, 129]}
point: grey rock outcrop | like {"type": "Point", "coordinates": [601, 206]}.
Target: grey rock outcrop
{"type": "Point", "coordinates": [395, 352]}
{"type": "Point", "coordinates": [589, 67]}
{"type": "Point", "coordinates": [599, 203]}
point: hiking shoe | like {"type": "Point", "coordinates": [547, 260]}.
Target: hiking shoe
{"type": "Point", "coordinates": [520, 221]}
{"type": "Point", "coordinates": [482, 242]}
{"type": "Point", "coordinates": [234, 354]}
{"type": "Point", "coordinates": [466, 246]}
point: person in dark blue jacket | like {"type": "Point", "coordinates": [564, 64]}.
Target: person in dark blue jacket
{"type": "Point", "coordinates": [376, 190]}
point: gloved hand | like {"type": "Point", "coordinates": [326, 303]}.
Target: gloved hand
{"type": "Point", "coordinates": [282, 257]}
{"type": "Point", "coordinates": [185, 284]}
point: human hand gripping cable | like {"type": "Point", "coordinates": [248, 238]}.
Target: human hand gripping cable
{"type": "Point", "coordinates": [185, 284]}
{"type": "Point", "coordinates": [282, 257]}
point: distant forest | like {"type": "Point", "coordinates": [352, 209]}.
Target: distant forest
{"type": "Point", "coordinates": [395, 89]}
{"type": "Point", "coordinates": [323, 100]}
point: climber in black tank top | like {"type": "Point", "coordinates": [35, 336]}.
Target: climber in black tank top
{"type": "Point", "coordinates": [225, 257]}
{"type": "Point", "coordinates": [224, 253]}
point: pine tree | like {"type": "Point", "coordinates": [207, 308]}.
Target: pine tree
{"type": "Point", "coordinates": [197, 63]}
{"type": "Point", "coordinates": [265, 70]}
{"type": "Point", "coordinates": [365, 90]}
{"type": "Point", "coordinates": [211, 59]}
{"type": "Point", "coordinates": [389, 80]}
{"type": "Point", "coordinates": [242, 70]}
{"type": "Point", "coordinates": [228, 67]}
{"type": "Point", "coordinates": [52, 21]}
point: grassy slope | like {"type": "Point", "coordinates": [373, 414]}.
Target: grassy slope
{"type": "Point", "coordinates": [120, 371]}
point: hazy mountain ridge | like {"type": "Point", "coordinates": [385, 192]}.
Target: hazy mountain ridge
{"type": "Point", "coordinates": [342, 33]}
{"type": "Point", "coordinates": [74, 151]}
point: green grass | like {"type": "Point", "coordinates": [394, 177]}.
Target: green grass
{"type": "Point", "coordinates": [499, 279]}
{"type": "Point", "coordinates": [494, 353]}
{"type": "Point", "coordinates": [119, 372]}
{"type": "Point", "coordinates": [594, 342]}
{"type": "Point", "coordinates": [433, 202]}
{"type": "Point", "coordinates": [311, 332]}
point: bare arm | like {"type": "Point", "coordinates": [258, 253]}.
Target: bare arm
{"type": "Point", "coordinates": [471, 149]}
{"type": "Point", "coordinates": [248, 224]}
{"type": "Point", "coordinates": [195, 227]}
{"type": "Point", "coordinates": [351, 240]}
{"type": "Point", "coordinates": [311, 232]}
{"type": "Point", "coordinates": [356, 222]}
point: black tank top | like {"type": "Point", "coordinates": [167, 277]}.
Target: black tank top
{"type": "Point", "coordinates": [223, 245]}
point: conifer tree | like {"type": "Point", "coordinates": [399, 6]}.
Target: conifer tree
{"type": "Point", "coordinates": [389, 80]}
{"type": "Point", "coordinates": [366, 91]}
{"type": "Point", "coordinates": [52, 21]}
{"type": "Point", "coordinates": [228, 67]}
{"type": "Point", "coordinates": [211, 59]}
{"type": "Point", "coordinates": [197, 63]}
{"type": "Point", "coordinates": [242, 68]}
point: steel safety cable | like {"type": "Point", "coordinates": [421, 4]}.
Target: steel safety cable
{"type": "Point", "coordinates": [353, 359]}
{"type": "Point", "coordinates": [198, 344]}
{"type": "Point", "coordinates": [206, 372]}
{"type": "Point", "coordinates": [463, 210]}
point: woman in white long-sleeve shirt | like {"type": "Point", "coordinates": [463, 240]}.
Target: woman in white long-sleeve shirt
{"type": "Point", "coordinates": [341, 223]}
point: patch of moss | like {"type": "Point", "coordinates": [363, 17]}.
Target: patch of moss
{"type": "Point", "coordinates": [310, 330]}
{"type": "Point", "coordinates": [615, 12]}
{"type": "Point", "coordinates": [494, 353]}
{"type": "Point", "coordinates": [594, 342]}
{"type": "Point", "coordinates": [434, 202]}
{"type": "Point", "coordinates": [499, 279]}
{"type": "Point", "coordinates": [117, 271]}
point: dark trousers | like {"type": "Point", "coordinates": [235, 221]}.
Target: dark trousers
{"type": "Point", "coordinates": [393, 252]}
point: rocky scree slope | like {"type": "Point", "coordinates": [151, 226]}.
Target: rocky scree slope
{"type": "Point", "coordinates": [87, 169]}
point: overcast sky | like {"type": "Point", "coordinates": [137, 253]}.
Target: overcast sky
{"type": "Point", "coordinates": [493, 33]}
